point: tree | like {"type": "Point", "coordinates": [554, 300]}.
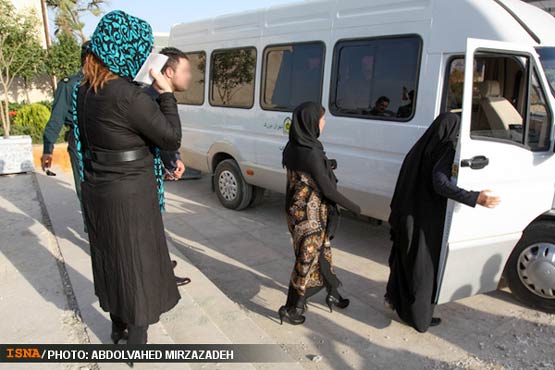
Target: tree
{"type": "Point", "coordinates": [64, 56]}
{"type": "Point", "coordinates": [68, 15]}
{"type": "Point", "coordinates": [21, 53]}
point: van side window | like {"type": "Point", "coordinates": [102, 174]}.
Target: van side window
{"type": "Point", "coordinates": [195, 93]}
{"type": "Point", "coordinates": [505, 106]}
{"type": "Point", "coordinates": [292, 75]}
{"type": "Point", "coordinates": [376, 78]}
{"type": "Point", "coordinates": [232, 74]}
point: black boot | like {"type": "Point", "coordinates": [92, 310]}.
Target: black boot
{"type": "Point", "coordinates": [118, 335]}
{"type": "Point", "coordinates": [336, 301]}
{"type": "Point", "coordinates": [119, 329]}
{"type": "Point", "coordinates": [292, 314]}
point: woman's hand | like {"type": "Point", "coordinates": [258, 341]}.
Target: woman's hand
{"type": "Point", "coordinates": [160, 83]}
{"type": "Point", "coordinates": [485, 199]}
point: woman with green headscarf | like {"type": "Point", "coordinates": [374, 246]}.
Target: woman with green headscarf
{"type": "Point", "coordinates": [119, 133]}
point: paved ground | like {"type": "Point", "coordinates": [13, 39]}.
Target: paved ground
{"type": "Point", "coordinates": [46, 289]}
{"type": "Point", "coordinates": [248, 255]}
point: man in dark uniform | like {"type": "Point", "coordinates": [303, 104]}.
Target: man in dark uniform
{"type": "Point", "coordinates": [62, 115]}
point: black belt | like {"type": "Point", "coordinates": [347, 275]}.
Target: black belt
{"type": "Point", "coordinates": [114, 157]}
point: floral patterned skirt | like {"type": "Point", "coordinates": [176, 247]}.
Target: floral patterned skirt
{"type": "Point", "coordinates": [307, 220]}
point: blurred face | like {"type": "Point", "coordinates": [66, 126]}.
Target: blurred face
{"type": "Point", "coordinates": [180, 77]}
{"type": "Point", "coordinates": [322, 123]}
{"type": "Point", "coordinates": [382, 106]}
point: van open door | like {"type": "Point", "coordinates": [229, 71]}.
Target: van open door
{"type": "Point", "coordinates": [505, 145]}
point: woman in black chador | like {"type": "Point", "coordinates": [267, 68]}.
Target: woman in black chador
{"type": "Point", "coordinates": [417, 217]}
{"type": "Point", "coordinates": [120, 130]}
{"type": "Point", "coordinates": [311, 206]}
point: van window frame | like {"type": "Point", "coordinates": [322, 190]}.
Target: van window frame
{"type": "Point", "coordinates": [204, 78]}
{"type": "Point", "coordinates": [264, 70]}
{"type": "Point", "coordinates": [531, 68]}
{"type": "Point", "coordinates": [210, 88]}
{"type": "Point", "coordinates": [334, 69]}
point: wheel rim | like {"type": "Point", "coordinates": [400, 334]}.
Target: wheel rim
{"type": "Point", "coordinates": [227, 185]}
{"type": "Point", "coordinates": [536, 269]}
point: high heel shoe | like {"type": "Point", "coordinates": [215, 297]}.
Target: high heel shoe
{"type": "Point", "coordinates": [293, 315]}
{"type": "Point", "coordinates": [338, 302]}
{"type": "Point", "coordinates": [118, 335]}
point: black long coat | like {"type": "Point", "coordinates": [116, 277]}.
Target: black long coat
{"type": "Point", "coordinates": [417, 219]}
{"type": "Point", "coordinates": [132, 271]}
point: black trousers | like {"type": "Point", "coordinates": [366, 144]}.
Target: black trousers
{"type": "Point", "coordinates": [136, 334]}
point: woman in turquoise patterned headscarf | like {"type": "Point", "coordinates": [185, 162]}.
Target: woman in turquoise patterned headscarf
{"type": "Point", "coordinates": [120, 129]}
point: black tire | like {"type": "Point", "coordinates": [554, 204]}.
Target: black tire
{"type": "Point", "coordinates": [539, 232]}
{"type": "Point", "coordinates": [257, 196]}
{"type": "Point", "coordinates": [234, 192]}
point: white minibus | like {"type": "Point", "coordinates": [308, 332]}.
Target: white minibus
{"type": "Point", "coordinates": [384, 69]}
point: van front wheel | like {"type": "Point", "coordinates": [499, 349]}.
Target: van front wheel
{"type": "Point", "coordinates": [232, 189]}
{"type": "Point", "coordinates": [530, 270]}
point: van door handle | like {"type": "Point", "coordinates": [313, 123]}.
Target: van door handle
{"type": "Point", "coordinates": [476, 163]}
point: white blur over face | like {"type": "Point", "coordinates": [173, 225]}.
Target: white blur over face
{"type": "Point", "coordinates": [181, 76]}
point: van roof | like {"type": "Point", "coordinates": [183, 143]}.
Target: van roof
{"type": "Point", "coordinates": [450, 22]}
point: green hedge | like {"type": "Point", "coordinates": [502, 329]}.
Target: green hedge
{"type": "Point", "coordinates": [31, 119]}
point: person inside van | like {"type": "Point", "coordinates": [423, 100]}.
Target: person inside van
{"type": "Point", "coordinates": [312, 214]}
{"type": "Point", "coordinates": [417, 218]}
{"type": "Point", "coordinates": [380, 109]}
{"type": "Point", "coordinates": [405, 111]}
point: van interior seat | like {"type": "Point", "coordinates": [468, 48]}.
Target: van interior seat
{"type": "Point", "coordinates": [495, 112]}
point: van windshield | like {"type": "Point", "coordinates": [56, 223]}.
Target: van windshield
{"type": "Point", "coordinates": [547, 57]}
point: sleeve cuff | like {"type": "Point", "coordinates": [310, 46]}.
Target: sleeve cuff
{"type": "Point", "coordinates": [48, 148]}
{"type": "Point", "coordinates": [474, 199]}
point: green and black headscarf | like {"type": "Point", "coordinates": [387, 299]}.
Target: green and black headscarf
{"type": "Point", "coordinates": [122, 43]}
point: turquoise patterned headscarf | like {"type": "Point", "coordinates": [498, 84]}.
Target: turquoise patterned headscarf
{"type": "Point", "coordinates": [122, 42]}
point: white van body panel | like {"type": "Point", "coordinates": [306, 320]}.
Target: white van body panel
{"type": "Point", "coordinates": [369, 152]}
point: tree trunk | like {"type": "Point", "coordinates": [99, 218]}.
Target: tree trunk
{"type": "Point", "coordinates": [6, 116]}
{"type": "Point", "coordinates": [26, 88]}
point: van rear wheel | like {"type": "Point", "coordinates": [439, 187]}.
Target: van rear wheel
{"type": "Point", "coordinates": [530, 270]}
{"type": "Point", "coordinates": [232, 189]}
